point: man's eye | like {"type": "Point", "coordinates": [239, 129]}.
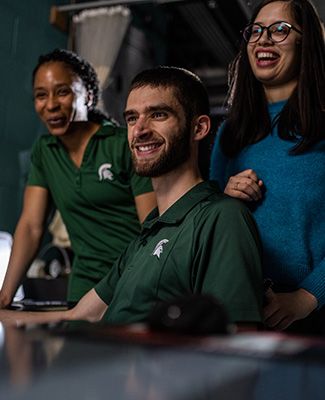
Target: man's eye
{"type": "Point", "coordinates": [130, 119]}
{"type": "Point", "coordinates": [159, 114]}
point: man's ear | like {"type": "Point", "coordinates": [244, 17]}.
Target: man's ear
{"type": "Point", "coordinates": [201, 127]}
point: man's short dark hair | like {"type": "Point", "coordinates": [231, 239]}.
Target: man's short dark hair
{"type": "Point", "coordinates": [188, 87]}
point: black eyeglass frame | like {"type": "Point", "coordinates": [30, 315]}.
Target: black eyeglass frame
{"type": "Point", "coordinates": [269, 33]}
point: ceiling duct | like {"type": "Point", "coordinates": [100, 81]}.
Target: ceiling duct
{"type": "Point", "coordinates": [202, 22]}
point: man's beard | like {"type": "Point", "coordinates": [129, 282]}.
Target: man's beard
{"type": "Point", "coordinates": [178, 152]}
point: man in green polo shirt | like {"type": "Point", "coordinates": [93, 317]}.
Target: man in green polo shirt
{"type": "Point", "coordinates": [197, 240]}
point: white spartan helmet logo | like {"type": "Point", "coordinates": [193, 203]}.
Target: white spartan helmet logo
{"type": "Point", "coordinates": [105, 173]}
{"type": "Point", "coordinates": [159, 248]}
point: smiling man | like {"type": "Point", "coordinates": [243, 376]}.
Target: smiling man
{"type": "Point", "coordinates": [197, 241]}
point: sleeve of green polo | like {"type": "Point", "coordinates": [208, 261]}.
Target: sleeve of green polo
{"type": "Point", "coordinates": [229, 262]}
{"type": "Point", "coordinates": [106, 287]}
{"type": "Point", "coordinates": [139, 184]}
{"type": "Point", "coordinates": [36, 175]}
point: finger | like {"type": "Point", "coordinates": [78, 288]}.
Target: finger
{"type": "Point", "coordinates": [284, 323]}
{"type": "Point", "coordinates": [248, 173]}
{"type": "Point", "coordinates": [250, 188]}
{"type": "Point", "coordinates": [272, 308]}
{"type": "Point", "coordinates": [275, 319]}
{"type": "Point", "coordinates": [237, 194]}
{"type": "Point", "coordinates": [245, 185]}
{"type": "Point", "coordinates": [244, 181]}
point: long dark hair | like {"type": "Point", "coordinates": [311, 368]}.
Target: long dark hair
{"type": "Point", "coordinates": [86, 73]}
{"type": "Point", "coordinates": [302, 119]}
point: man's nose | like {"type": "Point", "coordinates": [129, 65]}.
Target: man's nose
{"type": "Point", "coordinates": [141, 127]}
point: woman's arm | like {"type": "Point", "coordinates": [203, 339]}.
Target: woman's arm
{"type": "Point", "coordinates": [27, 238]}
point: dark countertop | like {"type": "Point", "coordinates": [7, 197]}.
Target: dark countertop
{"type": "Point", "coordinates": [93, 362]}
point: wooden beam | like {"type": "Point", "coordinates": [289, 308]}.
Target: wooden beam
{"type": "Point", "coordinates": [59, 19]}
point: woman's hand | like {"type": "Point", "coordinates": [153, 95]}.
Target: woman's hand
{"type": "Point", "coordinates": [4, 299]}
{"type": "Point", "coordinates": [245, 186]}
{"type": "Point", "coordinates": [283, 309]}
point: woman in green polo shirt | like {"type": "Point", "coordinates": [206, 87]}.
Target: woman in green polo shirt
{"type": "Point", "coordinates": [84, 167]}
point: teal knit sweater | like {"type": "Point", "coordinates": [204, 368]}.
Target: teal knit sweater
{"type": "Point", "coordinates": [291, 215]}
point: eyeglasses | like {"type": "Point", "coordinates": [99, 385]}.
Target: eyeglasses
{"type": "Point", "coordinates": [277, 32]}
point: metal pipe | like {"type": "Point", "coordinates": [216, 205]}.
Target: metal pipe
{"type": "Point", "coordinates": [107, 3]}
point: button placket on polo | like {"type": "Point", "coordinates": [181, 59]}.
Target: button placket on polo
{"type": "Point", "coordinates": [83, 165]}
{"type": "Point", "coordinates": [78, 179]}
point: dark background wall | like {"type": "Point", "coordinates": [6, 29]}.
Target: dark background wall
{"type": "Point", "coordinates": [25, 33]}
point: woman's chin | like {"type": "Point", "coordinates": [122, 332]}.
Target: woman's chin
{"type": "Point", "coordinates": [58, 131]}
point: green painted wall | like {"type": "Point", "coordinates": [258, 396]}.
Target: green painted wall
{"type": "Point", "coordinates": [25, 33]}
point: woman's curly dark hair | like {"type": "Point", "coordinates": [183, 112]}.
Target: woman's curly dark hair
{"type": "Point", "coordinates": [81, 68]}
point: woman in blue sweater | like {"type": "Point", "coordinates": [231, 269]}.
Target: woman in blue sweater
{"type": "Point", "coordinates": [270, 152]}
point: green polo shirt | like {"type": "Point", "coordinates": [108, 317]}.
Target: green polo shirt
{"type": "Point", "coordinates": [96, 201]}
{"type": "Point", "coordinates": [205, 243]}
